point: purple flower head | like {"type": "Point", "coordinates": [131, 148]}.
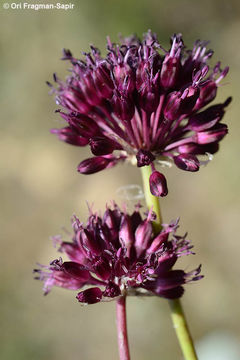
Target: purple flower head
{"type": "Point", "coordinates": [142, 103]}
{"type": "Point", "coordinates": [119, 254]}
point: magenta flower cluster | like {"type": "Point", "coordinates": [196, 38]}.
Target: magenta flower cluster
{"type": "Point", "coordinates": [145, 105]}
{"type": "Point", "coordinates": [119, 254]}
{"type": "Point", "coordinates": [142, 103]}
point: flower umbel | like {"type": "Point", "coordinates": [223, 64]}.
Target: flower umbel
{"type": "Point", "coordinates": [119, 254]}
{"type": "Point", "coordinates": [141, 103]}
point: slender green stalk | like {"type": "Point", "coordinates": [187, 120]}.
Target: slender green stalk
{"type": "Point", "coordinates": [182, 330]}
{"type": "Point", "coordinates": [177, 314]}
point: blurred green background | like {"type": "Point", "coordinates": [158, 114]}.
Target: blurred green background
{"type": "Point", "coordinates": [40, 188]}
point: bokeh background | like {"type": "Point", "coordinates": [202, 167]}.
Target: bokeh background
{"type": "Point", "coordinates": [40, 188]}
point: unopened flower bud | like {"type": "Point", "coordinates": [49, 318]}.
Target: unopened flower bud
{"type": "Point", "coordinates": [187, 162]}
{"type": "Point", "coordinates": [93, 165]}
{"type": "Point", "coordinates": [101, 146]}
{"type": "Point", "coordinates": [158, 184]}
{"type": "Point", "coordinates": [90, 296]}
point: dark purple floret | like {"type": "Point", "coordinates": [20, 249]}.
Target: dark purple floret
{"type": "Point", "coordinates": [158, 184]}
{"type": "Point", "coordinates": [142, 103]}
{"type": "Point", "coordinates": [119, 254]}
{"type": "Point", "coordinates": [144, 157]}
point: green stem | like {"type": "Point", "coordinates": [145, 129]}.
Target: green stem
{"type": "Point", "coordinates": [177, 314]}
{"type": "Point", "coordinates": [182, 330]}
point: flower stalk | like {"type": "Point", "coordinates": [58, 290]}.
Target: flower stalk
{"type": "Point", "coordinates": [182, 331]}
{"type": "Point", "coordinates": [177, 314]}
{"type": "Point", "coordinates": [123, 346]}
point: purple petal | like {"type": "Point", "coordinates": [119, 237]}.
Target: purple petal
{"type": "Point", "coordinates": [136, 220]}
{"type": "Point", "coordinates": [171, 110]}
{"type": "Point", "coordinates": [69, 136]}
{"type": "Point", "coordinates": [142, 236]}
{"type": "Point", "coordinates": [103, 81]}
{"type": "Point", "coordinates": [102, 269]}
{"type": "Point", "coordinates": [157, 242]}
{"type": "Point", "coordinates": [206, 119]}
{"type": "Point", "coordinates": [73, 252]}
{"type": "Point", "coordinates": [192, 148]}
{"type": "Point", "coordinates": [170, 280]}
{"type": "Point", "coordinates": [76, 270]}
{"type": "Point", "coordinates": [189, 98]}
{"type": "Point", "coordinates": [123, 106]}
{"type": "Point", "coordinates": [207, 94]}
{"type": "Point", "coordinates": [148, 96]}
{"type": "Point", "coordinates": [111, 219]}
{"type": "Point", "coordinates": [74, 100]}
{"type": "Point", "coordinates": [171, 294]}
{"type": "Point", "coordinates": [89, 242]}
{"type": "Point", "coordinates": [126, 231]}
{"type": "Point", "coordinates": [217, 133]}
{"type": "Point", "coordinates": [165, 263]}
{"type": "Point", "coordinates": [171, 64]}
{"type": "Point", "coordinates": [61, 279]}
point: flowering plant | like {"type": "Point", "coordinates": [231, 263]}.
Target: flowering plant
{"type": "Point", "coordinates": [145, 105]}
